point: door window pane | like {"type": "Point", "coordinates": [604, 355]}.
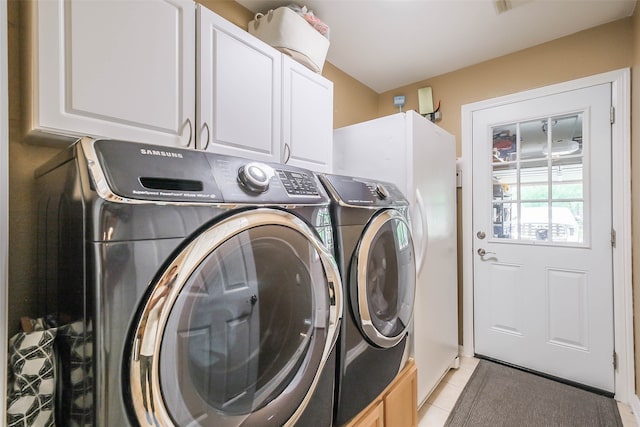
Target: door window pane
{"type": "Point", "coordinates": [567, 220]}
{"type": "Point", "coordinates": [568, 180]}
{"type": "Point", "coordinates": [534, 181]}
{"type": "Point", "coordinates": [538, 186]}
{"type": "Point", "coordinates": [534, 221]}
{"type": "Point", "coordinates": [505, 179]}
{"type": "Point", "coordinates": [505, 143]}
{"type": "Point", "coordinates": [504, 220]}
{"type": "Point", "coordinates": [533, 140]}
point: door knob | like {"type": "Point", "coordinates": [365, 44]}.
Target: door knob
{"type": "Point", "coordinates": [482, 252]}
{"type": "Point", "coordinates": [481, 235]}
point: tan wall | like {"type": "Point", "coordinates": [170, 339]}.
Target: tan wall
{"type": "Point", "coordinates": [229, 10]}
{"type": "Point", "coordinates": [635, 189]}
{"type": "Point", "coordinates": [353, 102]}
{"type": "Point", "coordinates": [589, 52]}
{"type": "Point", "coordinates": [23, 161]}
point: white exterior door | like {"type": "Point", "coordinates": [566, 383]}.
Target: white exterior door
{"type": "Point", "coordinates": [542, 221]}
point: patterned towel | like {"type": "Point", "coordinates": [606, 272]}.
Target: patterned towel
{"type": "Point", "coordinates": [75, 375]}
{"type": "Point", "coordinates": [31, 375]}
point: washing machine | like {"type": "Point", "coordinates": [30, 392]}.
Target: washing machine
{"type": "Point", "coordinates": [375, 254]}
{"type": "Point", "coordinates": [190, 289]}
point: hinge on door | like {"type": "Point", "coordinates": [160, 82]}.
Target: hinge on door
{"type": "Point", "coordinates": [615, 360]}
{"type": "Point", "coordinates": [613, 238]}
{"type": "Point", "coordinates": [612, 114]}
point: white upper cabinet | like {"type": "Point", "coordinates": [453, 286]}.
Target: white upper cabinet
{"type": "Point", "coordinates": [171, 73]}
{"type": "Point", "coordinates": [239, 95]}
{"type": "Point", "coordinates": [307, 107]}
{"type": "Point", "coordinates": [119, 69]}
{"type": "Point", "coordinates": [255, 102]}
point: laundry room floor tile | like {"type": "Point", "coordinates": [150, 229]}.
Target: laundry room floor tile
{"type": "Point", "coordinates": [627, 415]}
{"type": "Point", "coordinates": [432, 416]}
{"type": "Point", "coordinates": [460, 376]}
{"type": "Point", "coordinates": [445, 395]}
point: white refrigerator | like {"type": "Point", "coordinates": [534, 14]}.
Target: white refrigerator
{"type": "Point", "coordinates": [419, 157]}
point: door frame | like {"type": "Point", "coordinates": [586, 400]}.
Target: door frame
{"type": "Point", "coordinates": [4, 195]}
{"type": "Point", "coordinates": [621, 215]}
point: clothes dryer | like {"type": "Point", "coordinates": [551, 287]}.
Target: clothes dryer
{"type": "Point", "coordinates": [193, 289]}
{"type": "Point", "coordinates": [375, 254]}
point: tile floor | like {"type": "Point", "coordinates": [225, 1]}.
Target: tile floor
{"type": "Point", "coordinates": [439, 404]}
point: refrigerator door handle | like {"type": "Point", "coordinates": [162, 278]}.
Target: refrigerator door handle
{"type": "Point", "coordinates": [424, 239]}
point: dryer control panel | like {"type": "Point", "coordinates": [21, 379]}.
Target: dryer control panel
{"type": "Point", "coordinates": [364, 192]}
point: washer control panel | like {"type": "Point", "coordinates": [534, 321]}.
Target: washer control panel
{"type": "Point", "coordinates": [298, 183]}
{"type": "Point", "coordinates": [242, 180]}
{"type": "Point", "coordinates": [123, 170]}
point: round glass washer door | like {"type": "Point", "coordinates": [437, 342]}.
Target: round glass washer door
{"type": "Point", "coordinates": [384, 273]}
{"type": "Point", "coordinates": [237, 329]}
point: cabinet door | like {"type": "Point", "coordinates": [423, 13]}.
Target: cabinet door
{"type": "Point", "coordinates": [400, 402]}
{"type": "Point", "coordinates": [239, 91]}
{"type": "Point", "coordinates": [307, 117]}
{"type": "Point", "coordinates": [373, 416]}
{"type": "Point", "coordinates": [118, 69]}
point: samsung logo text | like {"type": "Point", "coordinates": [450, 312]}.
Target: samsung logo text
{"type": "Point", "coordinates": [160, 153]}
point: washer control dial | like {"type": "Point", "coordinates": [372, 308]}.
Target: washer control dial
{"type": "Point", "coordinates": [381, 191]}
{"type": "Point", "coordinates": [255, 177]}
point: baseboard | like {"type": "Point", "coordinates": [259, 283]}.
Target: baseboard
{"type": "Point", "coordinates": [634, 402]}
{"type": "Point", "coordinates": [455, 363]}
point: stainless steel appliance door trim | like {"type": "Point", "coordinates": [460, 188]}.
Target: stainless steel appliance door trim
{"type": "Point", "coordinates": [180, 270]}
{"type": "Point", "coordinates": [362, 262]}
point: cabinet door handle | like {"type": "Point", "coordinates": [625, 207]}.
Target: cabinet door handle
{"type": "Point", "coordinates": [190, 132]}
{"type": "Point", "coordinates": [287, 150]}
{"type": "Point", "coordinates": [206, 126]}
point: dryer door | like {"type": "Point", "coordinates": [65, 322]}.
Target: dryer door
{"type": "Point", "coordinates": [383, 269]}
{"type": "Point", "coordinates": [237, 329]}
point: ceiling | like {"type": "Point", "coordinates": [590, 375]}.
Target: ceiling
{"type": "Point", "coordinates": [386, 44]}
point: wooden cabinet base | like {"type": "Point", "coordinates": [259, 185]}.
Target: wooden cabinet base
{"type": "Point", "coordinates": [401, 400]}
{"type": "Point", "coordinates": [396, 406]}
{"type": "Point", "coordinates": [372, 416]}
